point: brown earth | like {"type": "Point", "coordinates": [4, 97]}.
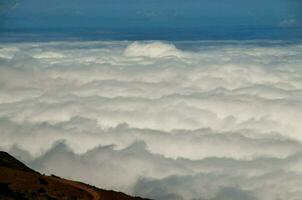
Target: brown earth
{"type": "Point", "coordinates": [17, 181]}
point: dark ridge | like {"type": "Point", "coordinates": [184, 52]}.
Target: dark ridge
{"type": "Point", "coordinates": [113, 195]}
{"type": "Point", "coordinates": [17, 181]}
{"type": "Point", "coordinates": [9, 161]}
{"type": "Point", "coordinates": [110, 194]}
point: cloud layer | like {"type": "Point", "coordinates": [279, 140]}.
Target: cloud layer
{"type": "Point", "coordinates": [205, 120]}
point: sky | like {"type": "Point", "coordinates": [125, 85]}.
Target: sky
{"type": "Point", "coordinates": [150, 15]}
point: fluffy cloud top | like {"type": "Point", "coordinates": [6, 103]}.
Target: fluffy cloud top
{"type": "Point", "coordinates": [208, 121]}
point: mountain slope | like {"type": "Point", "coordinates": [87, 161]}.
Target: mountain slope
{"type": "Point", "coordinates": [17, 181]}
{"type": "Point", "coordinates": [9, 161]}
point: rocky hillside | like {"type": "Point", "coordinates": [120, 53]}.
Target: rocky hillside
{"type": "Point", "coordinates": [17, 181]}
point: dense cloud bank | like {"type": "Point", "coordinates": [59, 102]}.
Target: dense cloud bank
{"type": "Point", "coordinates": [209, 121]}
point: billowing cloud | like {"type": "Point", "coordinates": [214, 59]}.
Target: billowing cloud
{"type": "Point", "coordinates": [205, 120]}
{"type": "Point", "coordinates": [153, 50]}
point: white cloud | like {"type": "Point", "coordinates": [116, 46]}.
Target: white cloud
{"type": "Point", "coordinates": [153, 50]}
{"type": "Point", "coordinates": [288, 22]}
{"type": "Point", "coordinates": [214, 121]}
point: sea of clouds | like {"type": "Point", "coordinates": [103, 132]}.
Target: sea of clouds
{"type": "Point", "coordinates": [189, 120]}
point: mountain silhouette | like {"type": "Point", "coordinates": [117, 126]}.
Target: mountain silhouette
{"type": "Point", "coordinates": [17, 181]}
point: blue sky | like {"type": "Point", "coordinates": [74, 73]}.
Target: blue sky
{"type": "Point", "coordinates": [143, 15]}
